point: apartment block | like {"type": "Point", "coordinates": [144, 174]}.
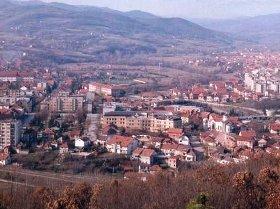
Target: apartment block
{"type": "Point", "coordinates": [141, 121]}
{"type": "Point", "coordinates": [263, 81]}
{"type": "Point", "coordinates": [66, 104]}
{"type": "Point", "coordinates": [107, 89]}
{"type": "Point", "coordinates": [10, 132]}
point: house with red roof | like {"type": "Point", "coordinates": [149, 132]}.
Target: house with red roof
{"type": "Point", "coordinates": [175, 133]}
{"type": "Point", "coordinates": [122, 144]}
{"type": "Point", "coordinates": [197, 92]}
{"type": "Point", "coordinates": [226, 140]}
{"type": "Point", "coordinates": [169, 148]}
{"type": "Point", "coordinates": [274, 128]}
{"type": "Point", "coordinates": [246, 139]}
{"type": "Point", "coordinates": [215, 122]}
{"type": "Point", "coordinates": [11, 76]}
{"type": "Point", "coordinates": [144, 155]}
{"type": "Point", "coordinates": [208, 138]}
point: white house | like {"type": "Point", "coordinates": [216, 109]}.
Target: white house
{"type": "Point", "coordinates": [262, 143]}
{"type": "Point", "coordinates": [81, 143]}
{"type": "Point", "coordinates": [121, 145]}
{"type": "Point", "coordinates": [145, 156]}
{"type": "Point", "coordinates": [191, 156]}
{"type": "Point", "coordinates": [184, 140]}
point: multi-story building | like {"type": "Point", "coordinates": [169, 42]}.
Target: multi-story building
{"type": "Point", "coordinates": [141, 121]}
{"type": "Point", "coordinates": [66, 104]}
{"type": "Point", "coordinates": [262, 81]}
{"type": "Point", "coordinates": [10, 132]}
{"type": "Point", "coordinates": [107, 90]}
{"type": "Point", "coordinates": [13, 76]}
{"type": "Point", "coordinates": [25, 102]}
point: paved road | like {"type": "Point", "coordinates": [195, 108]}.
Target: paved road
{"type": "Point", "coordinates": [93, 128]}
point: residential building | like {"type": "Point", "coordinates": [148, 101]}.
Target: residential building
{"type": "Point", "coordinates": [141, 121]}
{"type": "Point", "coordinates": [66, 104]}
{"type": "Point", "coordinates": [144, 155]}
{"type": "Point", "coordinates": [107, 89]}
{"type": "Point", "coordinates": [82, 143]}
{"type": "Point", "coordinates": [121, 145]}
{"type": "Point", "coordinates": [10, 133]}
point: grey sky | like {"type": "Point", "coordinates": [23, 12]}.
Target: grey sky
{"type": "Point", "coordinates": [189, 8]}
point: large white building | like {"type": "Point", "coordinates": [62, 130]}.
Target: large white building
{"type": "Point", "coordinates": [107, 89]}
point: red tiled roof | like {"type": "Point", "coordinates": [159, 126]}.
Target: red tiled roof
{"type": "Point", "coordinates": [143, 152]}
{"type": "Point", "coordinates": [248, 134]}
{"type": "Point", "coordinates": [216, 117]}
{"type": "Point", "coordinates": [197, 90]}
{"type": "Point", "coordinates": [244, 138]}
{"type": "Point", "coordinates": [123, 141]}
{"type": "Point", "coordinates": [275, 126]}
{"type": "Point", "coordinates": [137, 151]}
{"type": "Point", "coordinates": [169, 146]}
{"type": "Point", "coordinates": [175, 131]}
{"type": "Point", "coordinates": [147, 152]}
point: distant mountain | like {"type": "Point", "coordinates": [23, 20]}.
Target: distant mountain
{"type": "Point", "coordinates": [263, 29]}
{"type": "Point", "coordinates": [25, 13]}
{"type": "Point", "coordinates": [90, 33]}
{"type": "Point", "coordinates": [137, 14]}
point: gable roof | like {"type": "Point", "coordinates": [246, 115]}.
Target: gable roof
{"type": "Point", "coordinates": [143, 152]}
{"type": "Point", "coordinates": [123, 141]}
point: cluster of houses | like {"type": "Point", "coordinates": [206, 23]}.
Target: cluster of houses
{"type": "Point", "coordinates": [150, 150]}
{"type": "Point", "coordinates": [221, 138]}
{"type": "Point", "coordinates": [255, 85]}
{"type": "Point", "coordinates": [151, 128]}
{"type": "Point", "coordinates": [231, 91]}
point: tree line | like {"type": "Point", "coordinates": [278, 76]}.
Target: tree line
{"type": "Point", "coordinates": [254, 185]}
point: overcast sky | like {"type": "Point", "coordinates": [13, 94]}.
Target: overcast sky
{"type": "Point", "coordinates": [189, 8]}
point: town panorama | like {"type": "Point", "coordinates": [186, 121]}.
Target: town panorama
{"type": "Point", "coordinates": [108, 109]}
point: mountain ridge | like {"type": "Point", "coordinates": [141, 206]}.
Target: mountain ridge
{"type": "Point", "coordinates": [264, 29]}
{"type": "Point", "coordinates": [92, 34]}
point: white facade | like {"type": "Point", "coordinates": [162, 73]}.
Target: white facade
{"type": "Point", "coordinates": [262, 80]}
{"type": "Point", "coordinates": [80, 143]}
{"type": "Point", "coordinates": [126, 150]}
{"type": "Point", "coordinates": [100, 89]}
